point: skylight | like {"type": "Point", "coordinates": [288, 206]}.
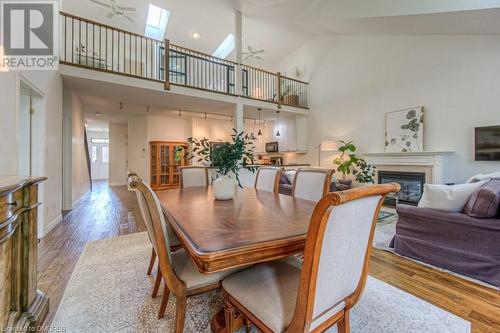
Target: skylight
{"type": "Point", "coordinates": [225, 48]}
{"type": "Point", "coordinates": [157, 21]}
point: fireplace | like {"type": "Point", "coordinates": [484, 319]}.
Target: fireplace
{"type": "Point", "coordinates": [412, 185]}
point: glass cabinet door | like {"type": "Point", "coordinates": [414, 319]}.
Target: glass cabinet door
{"type": "Point", "coordinates": [164, 165]}
{"type": "Point", "coordinates": [154, 164]}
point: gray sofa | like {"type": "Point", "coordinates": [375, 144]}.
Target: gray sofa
{"type": "Point", "coordinates": [454, 241]}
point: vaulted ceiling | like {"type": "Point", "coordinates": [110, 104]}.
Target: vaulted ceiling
{"type": "Point", "coordinates": [281, 26]}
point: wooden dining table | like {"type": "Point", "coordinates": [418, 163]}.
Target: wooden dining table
{"type": "Point", "coordinates": [255, 227]}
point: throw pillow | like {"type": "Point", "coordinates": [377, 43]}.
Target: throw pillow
{"type": "Point", "coordinates": [485, 201]}
{"type": "Point", "coordinates": [483, 177]}
{"type": "Point", "coordinates": [448, 198]}
{"type": "Point", "coordinates": [340, 185]}
{"type": "Point", "coordinates": [284, 179]}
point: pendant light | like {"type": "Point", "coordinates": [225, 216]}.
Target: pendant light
{"type": "Point", "coordinates": [278, 123]}
{"type": "Point", "coordinates": [260, 132]}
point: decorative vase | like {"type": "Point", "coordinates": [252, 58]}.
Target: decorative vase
{"type": "Point", "coordinates": [224, 187]}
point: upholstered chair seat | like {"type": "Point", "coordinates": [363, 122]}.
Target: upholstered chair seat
{"type": "Point", "coordinates": [176, 270]}
{"type": "Point", "coordinates": [269, 291]}
{"type": "Point", "coordinates": [187, 272]}
{"type": "Point", "coordinates": [311, 296]}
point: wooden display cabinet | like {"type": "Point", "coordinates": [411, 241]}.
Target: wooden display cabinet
{"type": "Point", "coordinates": [165, 173]}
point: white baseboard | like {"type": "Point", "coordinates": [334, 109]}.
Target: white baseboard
{"type": "Point", "coordinates": [47, 228]}
{"type": "Point", "coordinates": [78, 200]}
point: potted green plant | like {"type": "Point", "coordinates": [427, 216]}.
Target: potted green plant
{"type": "Point", "coordinates": [227, 159]}
{"type": "Point", "coordinates": [348, 162]}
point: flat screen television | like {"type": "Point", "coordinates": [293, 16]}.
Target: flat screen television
{"type": "Point", "coordinates": [487, 147]}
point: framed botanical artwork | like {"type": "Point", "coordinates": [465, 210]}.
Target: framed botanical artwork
{"type": "Point", "coordinates": [404, 130]}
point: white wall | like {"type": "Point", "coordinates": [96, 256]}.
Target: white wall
{"type": "Point", "coordinates": [80, 172]}
{"type": "Point", "coordinates": [117, 154]}
{"type": "Point", "coordinates": [8, 123]}
{"type": "Point", "coordinates": [143, 129]}
{"type": "Point", "coordinates": [49, 112]}
{"type": "Point", "coordinates": [167, 128]}
{"type": "Point", "coordinates": [137, 149]}
{"type": "Point", "coordinates": [356, 79]}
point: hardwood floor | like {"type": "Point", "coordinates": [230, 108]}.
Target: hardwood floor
{"type": "Point", "coordinates": [112, 211]}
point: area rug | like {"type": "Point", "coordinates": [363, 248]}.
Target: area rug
{"type": "Point", "coordinates": [109, 291]}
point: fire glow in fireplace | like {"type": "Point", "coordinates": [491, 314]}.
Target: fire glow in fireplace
{"type": "Point", "coordinates": [412, 185]}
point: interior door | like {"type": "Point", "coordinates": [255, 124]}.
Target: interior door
{"type": "Point", "coordinates": [99, 157]}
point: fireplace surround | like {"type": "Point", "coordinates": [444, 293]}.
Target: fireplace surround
{"type": "Point", "coordinates": [412, 185]}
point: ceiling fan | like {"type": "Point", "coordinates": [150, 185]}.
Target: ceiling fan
{"type": "Point", "coordinates": [252, 54]}
{"type": "Point", "coordinates": [116, 10]}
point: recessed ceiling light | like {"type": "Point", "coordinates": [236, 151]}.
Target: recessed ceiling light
{"type": "Point", "coordinates": [196, 35]}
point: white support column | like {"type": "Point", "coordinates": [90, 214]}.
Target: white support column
{"type": "Point", "coordinates": [238, 48]}
{"type": "Point", "coordinates": [238, 117]}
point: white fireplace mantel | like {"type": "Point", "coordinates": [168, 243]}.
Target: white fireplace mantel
{"type": "Point", "coordinates": [436, 160]}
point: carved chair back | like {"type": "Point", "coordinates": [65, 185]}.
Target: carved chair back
{"type": "Point", "coordinates": [337, 254]}
{"type": "Point", "coordinates": [192, 176]}
{"type": "Point", "coordinates": [311, 183]}
{"type": "Point", "coordinates": [268, 179]}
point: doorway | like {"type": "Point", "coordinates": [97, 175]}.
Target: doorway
{"type": "Point", "coordinates": [98, 143]}
{"type": "Point", "coordinates": [31, 134]}
{"type": "Point", "coordinates": [99, 158]}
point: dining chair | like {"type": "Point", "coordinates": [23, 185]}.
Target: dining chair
{"type": "Point", "coordinates": [192, 176]}
{"type": "Point", "coordinates": [179, 273]}
{"type": "Point", "coordinates": [268, 179]}
{"type": "Point", "coordinates": [290, 296]}
{"type": "Point", "coordinates": [174, 244]}
{"type": "Point", "coordinates": [311, 183]}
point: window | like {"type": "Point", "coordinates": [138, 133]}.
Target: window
{"type": "Point", "coordinates": [99, 140]}
{"type": "Point", "coordinates": [156, 23]}
{"type": "Point", "coordinates": [94, 154]}
{"type": "Point", "coordinates": [225, 48]}
{"type": "Point", "coordinates": [105, 154]}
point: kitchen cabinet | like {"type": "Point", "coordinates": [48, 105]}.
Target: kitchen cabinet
{"type": "Point", "coordinates": [302, 133]}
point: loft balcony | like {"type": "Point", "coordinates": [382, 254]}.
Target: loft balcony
{"type": "Point", "coordinates": [100, 47]}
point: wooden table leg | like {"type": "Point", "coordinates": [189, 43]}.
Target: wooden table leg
{"type": "Point", "coordinates": [218, 324]}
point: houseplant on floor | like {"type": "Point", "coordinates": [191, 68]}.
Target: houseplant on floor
{"type": "Point", "coordinates": [348, 162]}
{"type": "Point", "coordinates": [227, 159]}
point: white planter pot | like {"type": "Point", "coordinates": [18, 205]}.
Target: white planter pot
{"type": "Point", "coordinates": [224, 188]}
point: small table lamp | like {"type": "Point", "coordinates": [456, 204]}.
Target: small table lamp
{"type": "Point", "coordinates": [325, 145]}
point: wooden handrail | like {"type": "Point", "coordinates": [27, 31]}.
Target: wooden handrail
{"type": "Point", "coordinates": [215, 74]}
{"type": "Point", "coordinates": [108, 26]}
{"type": "Point", "coordinates": [204, 54]}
